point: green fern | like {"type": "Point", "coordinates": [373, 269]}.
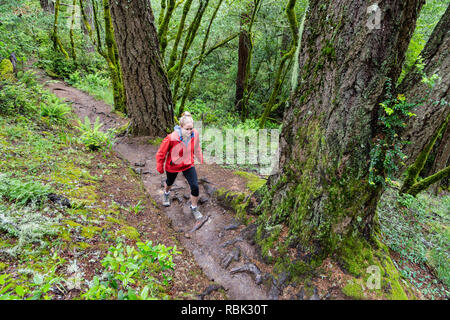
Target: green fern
{"type": "Point", "coordinates": [92, 137]}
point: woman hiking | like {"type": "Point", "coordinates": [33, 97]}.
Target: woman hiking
{"type": "Point", "coordinates": [180, 147]}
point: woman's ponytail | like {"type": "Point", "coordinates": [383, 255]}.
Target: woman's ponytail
{"type": "Point", "coordinates": [186, 116]}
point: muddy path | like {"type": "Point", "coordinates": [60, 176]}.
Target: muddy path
{"type": "Point", "coordinates": [221, 246]}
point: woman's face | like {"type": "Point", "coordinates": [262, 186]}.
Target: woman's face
{"type": "Point", "coordinates": [187, 129]}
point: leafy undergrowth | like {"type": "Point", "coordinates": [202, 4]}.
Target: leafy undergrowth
{"type": "Point", "coordinates": [416, 230]}
{"type": "Point", "coordinates": [76, 224]}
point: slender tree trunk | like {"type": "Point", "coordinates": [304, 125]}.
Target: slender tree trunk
{"type": "Point", "coordinates": [149, 100]}
{"type": "Point", "coordinates": [164, 27]}
{"type": "Point", "coordinates": [72, 24]}
{"type": "Point", "coordinates": [174, 52]}
{"type": "Point", "coordinates": [243, 56]}
{"type": "Point", "coordinates": [57, 44]}
{"type": "Point", "coordinates": [282, 68]}
{"type": "Point", "coordinates": [89, 17]}
{"type": "Point", "coordinates": [187, 88]}
{"type": "Point", "coordinates": [190, 36]}
{"type": "Point", "coordinates": [322, 192]}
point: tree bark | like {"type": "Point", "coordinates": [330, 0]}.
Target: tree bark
{"type": "Point", "coordinates": [243, 56]}
{"type": "Point", "coordinates": [441, 159]}
{"type": "Point", "coordinates": [429, 116]}
{"type": "Point", "coordinates": [322, 191]}
{"type": "Point", "coordinates": [149, 100]}
{"type": "Point", "coordinates": [89, 17]}
{"type": "Point", "coordinates": [47, 5]}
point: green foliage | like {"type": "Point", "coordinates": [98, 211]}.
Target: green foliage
{"type": "Point", "coordinates": [29, 227]}
{"type": "Point", "coordinates": [386, 150]}
{"type": "Point", "coordinates": [428, 18]}
{"type": "Point", "coordinates": [54, 109]}
{"type": "Point", "coordinates": [96, 84]}
{"type": "Point", "coordinates": [39, 287]}
{"type": "Point", "coordinates": [22, 192]}
{"type": "Point", "coordinates": [416, 228]}
{"type": "Point", "coordinates": [125, 265]}
{"type": "Point", "coordinates": [17, 98]}
{"type": "Point", "coordinates": [28, 78]}
{"type": "Point", "coordinates": [56, 64]}
{"type": "Point", "coordinates": [92, 137]}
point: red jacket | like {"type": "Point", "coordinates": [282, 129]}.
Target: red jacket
{"type": "Point", "coordinates": [176, 149]}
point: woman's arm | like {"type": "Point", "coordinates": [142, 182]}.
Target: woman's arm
{"type": "Point", "coordinates": [161, 154]}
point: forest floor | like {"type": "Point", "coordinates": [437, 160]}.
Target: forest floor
{"type": "Point", "coordinates": [120, 194]}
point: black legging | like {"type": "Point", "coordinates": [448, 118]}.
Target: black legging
{"type": "Point", "coordinates": [190, 175]}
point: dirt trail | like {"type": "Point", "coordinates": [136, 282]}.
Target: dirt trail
{"type": "Point", "coordinates": [210, 244]}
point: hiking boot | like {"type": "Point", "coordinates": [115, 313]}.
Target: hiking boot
{"type": "Point", "coordinates": [196, 213]}
{"type": "Point", "coordinates": [166, 199]}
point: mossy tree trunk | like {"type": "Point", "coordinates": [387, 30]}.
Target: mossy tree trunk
{"type": "Point", "coordinates": [57, 44]}
{"type": "Point", "coordinates": [164, 27]}
{"type": "Point", "coordinates": [89, 16]}
{"type": "Point", "coordinates": [411, 184]}
{"type": "Point", "coordinates": [432, 111]}
{"type": "Point", "coordinates": [110, 53]}
{"type": "Point", "coordinates": [113, 61]}
{"type": "Point", "coordinates": [149, 100]}
{"type": "Point", "coordinates": [72, 25]}
{"type": "Point", "coordinates": [322, 191]}
{"type": "Point", "coordinates": [441, 158]}
{"type": "Point", "coordinates": [174, 52]}
{"type": "Point", "coordinates": [436, 57]}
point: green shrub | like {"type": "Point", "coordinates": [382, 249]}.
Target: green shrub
{"type": "Point", "coordinates": [54, 109]}
{"type": "Point", "coordinates": [15, 99]}
{"type": "Point", "coordinates": [92, 137]}
{"type": "Point", "coordinates": [22, 192]}
{"type": "Point", "coordinates": [125, 264]}
{"type": "Point", "coordinates": [29, 226]}
{"type": "Point", "coordinates": [97, 84]}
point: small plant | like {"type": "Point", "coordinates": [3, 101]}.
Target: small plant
{"type": "Point", "coordinates": [126, 266]}
{"type": "Point", "coordinates": [54, 109]}
{"type": "Point", "coordinates": [28, 78]}
{"type": "Point", "coordinates": [16, 99]}
{"type": "Point", "coordinates": [92, 137]}
{"type": "Point", "coordinates": [38, 289]}
{"type": "Point", "coordinates": [22, 192]}
{"type": "Point", "coordinates": [96, 84]}
{"type": "Point", "coordinates": [386, 151]}
{"type": "Point", "coordinates": [137, 208]}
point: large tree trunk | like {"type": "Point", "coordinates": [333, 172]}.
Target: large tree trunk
{"type": "Point", "coordinates": [322, 192]}
{"type": "Point", "coordinates": [429, 116]}
{"type": "Point", "coordinates": [149, 100]}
